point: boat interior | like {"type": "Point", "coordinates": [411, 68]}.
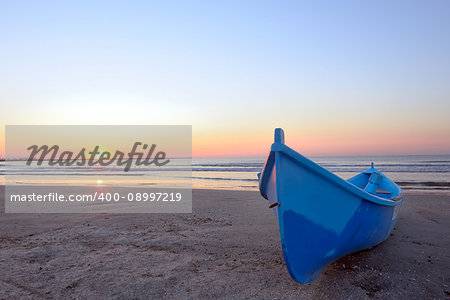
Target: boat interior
{"type": "Point", "coordinates": [376, 183]}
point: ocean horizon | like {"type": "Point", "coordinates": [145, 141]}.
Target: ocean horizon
{"type": "Point", "coordinates": [411, 172]}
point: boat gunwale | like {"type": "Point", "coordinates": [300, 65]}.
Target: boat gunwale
{"type": "Point", "coordinates": [280, 147]}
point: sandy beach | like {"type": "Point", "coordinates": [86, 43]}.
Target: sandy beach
{"type": "Point", "coordinates": [229, 247]}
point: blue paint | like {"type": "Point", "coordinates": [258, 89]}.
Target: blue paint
{"type": "Point", "coordinates": [321, 216]}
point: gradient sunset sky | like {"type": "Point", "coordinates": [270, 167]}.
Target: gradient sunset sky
{"type": "Point", "coordinates": [340, 77]}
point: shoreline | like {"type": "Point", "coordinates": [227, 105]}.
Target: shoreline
{"type": "Point", "coordinates": [445, 192]}
{"type": "Point", "coordinates": [229, 247]}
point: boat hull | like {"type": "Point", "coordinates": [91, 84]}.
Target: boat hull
{"type": "Point", "coordinates": [321, 216]}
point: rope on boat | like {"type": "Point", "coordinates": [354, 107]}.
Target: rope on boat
{"type": "Point", "coordinates": [275, 204]}
{"type": "Point", "coordinates": [397, 198]}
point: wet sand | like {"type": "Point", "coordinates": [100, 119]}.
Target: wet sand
{"type": "Point", "coordinates": [228, 248]}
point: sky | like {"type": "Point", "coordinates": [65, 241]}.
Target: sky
{"type": "Point", "coordinates": [340, 77]}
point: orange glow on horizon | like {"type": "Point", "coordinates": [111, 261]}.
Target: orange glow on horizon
{"type": "Point", "coordinates": [322, 144]}
{"type": "Point", "coordinates": [209, 144]}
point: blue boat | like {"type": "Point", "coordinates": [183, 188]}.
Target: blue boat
{"type": "Point", "coordinates": [321, 216]}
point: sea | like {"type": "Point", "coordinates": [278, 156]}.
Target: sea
{"type": "Point", "coordinates": [411, 172]}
